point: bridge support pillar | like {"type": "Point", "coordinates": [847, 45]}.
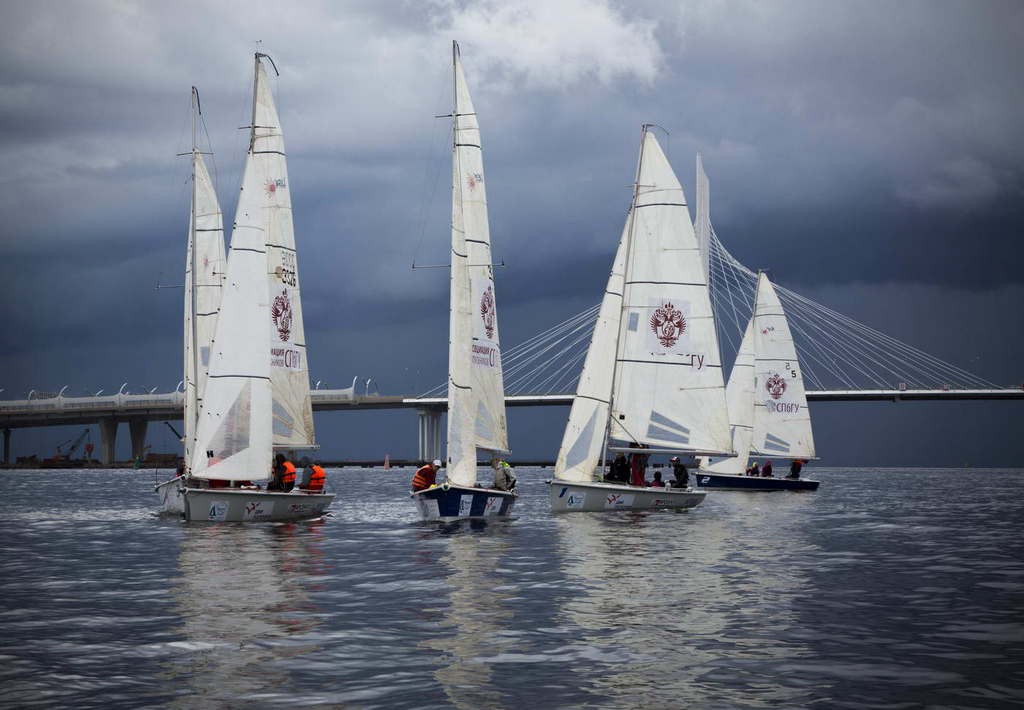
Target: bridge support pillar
{"type": "Point", "coordinates": [429, 434]}
{"type": "Point", "coordinates": [7, 447]}
{"type": "Point", "coordinates": [137, 429]}
{"type": "Point", "coordinates": [108, 440]}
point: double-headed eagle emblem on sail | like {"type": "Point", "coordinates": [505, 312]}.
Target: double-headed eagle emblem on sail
{"type": "Point", "coordinates": [281, 313]}
{"type": "Point", "coordinates": [487, 311]}
{"type": "Point", "coordinates": [474, 179]}
{"type": "Point", "coordinates": [668, 324]}
{"type": "Point", "coordinates": [775, 385]}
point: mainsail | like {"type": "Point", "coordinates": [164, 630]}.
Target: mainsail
{"type": "Point", "coordinates": [652, 374]}
{"type": "Point", "coordinates": [668, 390]}
{"type": "Point", "coordinates": [476, 397]}
{"type": "Point", "coordinates": [782, 421]}
{"type": "Point", "coordinates": [204, 275]}
{"type": "Point", "coordinates": [265, 207]}
{"type": "Point", "coordinates": [739, 396]}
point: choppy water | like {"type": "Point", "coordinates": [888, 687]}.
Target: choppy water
{"type": "Point", "coordinates": [886, 588]}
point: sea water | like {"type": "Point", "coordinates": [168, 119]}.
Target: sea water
{"type": "Point", "coordinates": [886, 588]}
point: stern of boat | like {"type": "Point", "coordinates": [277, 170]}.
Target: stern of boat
{"type": "Point", "coordinates": [449, 502]}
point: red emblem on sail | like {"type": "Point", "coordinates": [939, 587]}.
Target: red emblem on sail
{"type": "Point", "coordinates": [487, 311]}
{"type": "Point", "coordinates": [775, 386]}
{"type": "Point", "coordinates": [668, 324]}
{"type": "Point", "coordinates": [281, 313]}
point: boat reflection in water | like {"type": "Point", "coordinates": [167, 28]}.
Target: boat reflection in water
{"type": "Point", "coordinates": [471, 627]}
{"type": "Point", "coordinates": [662, 605]}
{"type": "Point", "coordinates": [244, 598]}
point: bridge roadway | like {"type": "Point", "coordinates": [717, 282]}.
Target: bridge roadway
{"type": "Point", "coordinates": [139, 409]}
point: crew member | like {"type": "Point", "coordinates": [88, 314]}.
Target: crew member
{"type": "Point", "coordinates": [504, 476]}
{"type": "Point", "coordinates": [657, 482]}
{"type": "Point", "coordinates": [682, 476]}
{"type": "Point", "coordinates": [283, 475]}
{"type": "Point", "coordinates": [794, 468]}
{"type": "Point", "coordinates": [766, 472]}
{"type": "Point", "coordinates": [619, 470]}
{"type": "Point", "coordinates": [638, 465]}
{"type": "Point", "coordinates": [425, 476]}
{"type": "Point", "coordinates": [317, 477]}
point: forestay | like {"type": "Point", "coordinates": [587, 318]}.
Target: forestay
{"type": "Point", "coordinates": [476, 406]}
{"type": "Point", "coordinates": [739, 396]}
{"type": "Point", "coordinates": [782, 422]}
{"type": "Point", "coordinates": [265, 207]}
{"type": "Point", "coordinates": [203, 288]}
{"type": "Point", "coordinates": [669, 392]}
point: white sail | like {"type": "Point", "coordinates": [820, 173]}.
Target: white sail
{"type": "Point", "coordinates": [469, 213]}
{"type": "Point", "coordinates": [668, 391]}
{"type": "Point", "coordinates": [739, 395]}
{"type": "Point", "coordinates": [702, 222]}
{"type": "Point", "coordinates": [233, 434]}
{"type": "Point", "coordinates": [476, 395]}
{"type": "Point", "coordinates": [265, 206]}
{"type": "Point", "coordinates": [582, 443]}
{"type": "Point", "coordinates": [202, 288]}
{"type": "Point", "coordinates": [782, 421]}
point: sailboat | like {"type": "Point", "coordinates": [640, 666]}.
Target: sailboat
{"type": "Point", "coordinates": [768, 411]}
{"type": "Point", "coordinates": [476, 394]}
{"type": "Point", "coordinates": [256, 397]}
{"type": "Point", "coordinates": [204, 277]}
{"type": "Point", "coordinates": [652, 376]}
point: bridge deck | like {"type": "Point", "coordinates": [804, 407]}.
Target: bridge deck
{"type": "Point", "coordinates": [157, 407]}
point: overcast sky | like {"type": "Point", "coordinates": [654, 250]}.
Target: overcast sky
{"type": "Point", "coordinates": [869, 154]}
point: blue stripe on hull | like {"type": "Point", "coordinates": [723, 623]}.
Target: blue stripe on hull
{"type": "Point", "coordinates": [457, 502]}
{"type": "Point", "coordinates": [753, 483]}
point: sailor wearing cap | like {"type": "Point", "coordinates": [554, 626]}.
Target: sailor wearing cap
{"type": "Point", "coordinates": [426, 476]}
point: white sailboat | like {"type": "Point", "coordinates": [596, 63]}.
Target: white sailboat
{"type": "Point", "coordinates": [652, 375]}
{"type": "Point", "coordinates": [204, 277]}
{"type": "Point", "coordinates": [256, 394]}
{"type": "Point", "coordinates": [768, 409]}
{"type": "Point", "coordinates": [476, 396]}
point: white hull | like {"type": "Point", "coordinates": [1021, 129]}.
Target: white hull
{"type": "Point", "coordinates": [569, 497]}
{"type": "Point", "coordinates": [172, 500]}
{"type": "Point", "coordinates": [240, 505]}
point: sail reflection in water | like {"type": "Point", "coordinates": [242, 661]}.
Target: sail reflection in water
{"type": "Point", "coordinates": [654, 605]}
{"type": "Point", "coordinates": [244, 598]}
{"type": "Point", "coordinates": [478, 613]}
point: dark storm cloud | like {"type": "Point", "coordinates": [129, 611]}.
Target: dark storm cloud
{"type": "Point", "coordinates": [852, 151]}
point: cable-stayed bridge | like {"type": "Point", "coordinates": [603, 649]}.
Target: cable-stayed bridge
{"type": "Point", "coordinates": [841, 360]}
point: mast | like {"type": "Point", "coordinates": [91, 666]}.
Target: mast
{"type": "Point", "coordinates": [192, 281]}
{"type": "Point", "coordinates": [625, 281]}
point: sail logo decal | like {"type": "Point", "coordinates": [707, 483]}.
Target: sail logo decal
{"type": "Point", "coordinates": [281, 314]}
{"type": "Point", "coordinates": [272, 185]}
{"type": "Point", "coordinates": [487, 311]}
{"type": "Point", "coordinates": [776, 386]}
{"type": "Point", "coordinates": [668, 323]}
{"type": "Point", "coordinates": [474, 179]}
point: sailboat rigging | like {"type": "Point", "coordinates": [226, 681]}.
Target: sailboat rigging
{"type": "Point", "coordinates": [652, 378]}
{"type": "Point", "coordinates": [476, 398]}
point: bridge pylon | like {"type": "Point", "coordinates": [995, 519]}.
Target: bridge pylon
{"type": "Point", "coordinates": [429, 433]}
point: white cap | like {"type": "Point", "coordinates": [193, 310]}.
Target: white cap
{"type": "Point", "coordinates": [437, 462]}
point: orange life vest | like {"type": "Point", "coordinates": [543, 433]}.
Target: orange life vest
{"type": "Point", "coordinates": [424, 478]}
{"type": "Point", "coordinates": [288, 475]}
{"type": "Point", "coordinates": [316, 480]}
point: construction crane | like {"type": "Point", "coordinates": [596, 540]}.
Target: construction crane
{"type": "Point", "coordinates": [62, 455]}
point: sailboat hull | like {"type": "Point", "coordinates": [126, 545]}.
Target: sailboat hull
{"type": "Point", "coordinates": [448, 502]}
{"type": "Point", "coordinates": [595, 497]}
{"type": "Point", "coordinates": [726, 482]}
{"type": "Point", "coordinates": [239, 505]}
{"type": "Point", "coordinates": [172, 497]}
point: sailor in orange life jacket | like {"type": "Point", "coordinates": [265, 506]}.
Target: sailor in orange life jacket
{"type": "Point", "coordinates": [284, 475]}
{"type": "Point", "coordinates": [426, 476]}
{"type": "Point", "coordinates": [317, 476]}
